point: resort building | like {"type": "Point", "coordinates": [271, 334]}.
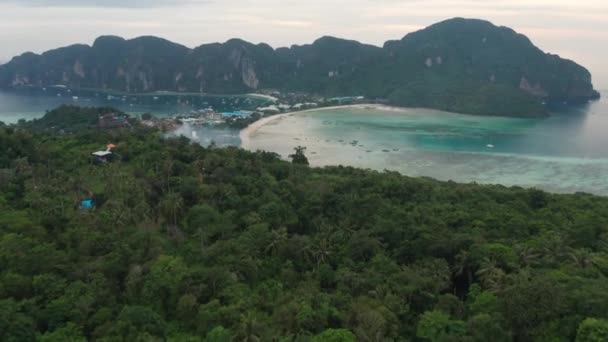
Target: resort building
{"type": "Point", "coordinates": [113, 120]}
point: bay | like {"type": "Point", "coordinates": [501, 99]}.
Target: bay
{"type": "Point", "coordinates": [567, 152]}
{"type": "Point", "coordinates": [32, 103]}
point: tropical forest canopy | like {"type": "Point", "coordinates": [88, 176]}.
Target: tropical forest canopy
{"type": "Point", "coordinates": [185, 243]}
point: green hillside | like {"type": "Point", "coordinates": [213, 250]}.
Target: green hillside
{"type": "Point", "coordinates": [185, 243]}
{"type": "Point", "coordinates": [461, 65]}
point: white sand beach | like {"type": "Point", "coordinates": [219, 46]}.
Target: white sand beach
{"type": "Point", "coordinates": [445, 146]}
{"type": "Point", "coordinates": [247, 132]}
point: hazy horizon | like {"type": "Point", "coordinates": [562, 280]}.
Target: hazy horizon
{"type": "Point", "coordinates": [574, 31]}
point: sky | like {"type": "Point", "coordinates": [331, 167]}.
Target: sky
{"type": "Point", "coordinates": [574, 29]}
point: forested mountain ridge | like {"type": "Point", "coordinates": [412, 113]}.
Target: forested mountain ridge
{"type": "Point", "coordinates": [461, 65]}
{"type": "Point", "coordinates": [185, 243]}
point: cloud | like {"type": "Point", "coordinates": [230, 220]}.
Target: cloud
{"type": "Point", "coordinates": [573, 28]}
{"type": "Point", "coordinates": [104, 3]}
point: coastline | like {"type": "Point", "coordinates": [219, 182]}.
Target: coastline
{"type": "Point", "coordinates": [246, 133]}
{"type": "Point", "coordinates": [113, 92]}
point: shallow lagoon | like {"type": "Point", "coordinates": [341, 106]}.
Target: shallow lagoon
{"type": "Point", "coordinates": [31, 103]}
{"type": "Point", "coordinates": [567, 152]}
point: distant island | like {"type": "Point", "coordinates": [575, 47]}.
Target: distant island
{"type": "Point", "coordinates": [460, 65]}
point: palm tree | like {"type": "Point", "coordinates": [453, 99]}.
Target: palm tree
{"type": "Point", "coordinates": [529, 257]}
{"type": "Point", "coordinates": [118, 211]}
{"type": "Point", "coordinates": [553, 249]}
{"type": "Point", "coordinates": [249, 327]}
{"type": "Point", "coordinates": [299, 157]}
{"type": "Point", "coordinates": [490, 275]}
{"type": "Point", "coordinates": [320, 250]}
{"type": "Point", "coordinates": [463, 265]}
{"type": "Point", "coordinates": [172, 206]}
{"type": "Point", "coordinates": [371, 326]}
{"type": "Point", "coordinates": [168, 170]}
{"type": "Point", "coordinates": [199, 166]}
{"type": "Point", "coordinates": [278, 238]}
{"type": "Point", "coordinates": [582, 258]}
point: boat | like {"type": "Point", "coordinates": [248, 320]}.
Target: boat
{"type": "Point", "coordinates": [490, 146]}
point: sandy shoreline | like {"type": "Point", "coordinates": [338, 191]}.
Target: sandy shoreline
{"type": "Point", "coordinates": [245, 134]}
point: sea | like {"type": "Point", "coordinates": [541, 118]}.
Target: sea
{"type": "Point", "coordinates": [33, 103]}
{"type": "Point", "coordinates": [564, 153]}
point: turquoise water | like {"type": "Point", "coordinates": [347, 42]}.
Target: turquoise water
{"type": "Point", "coordinates": [570, 132]}
{"type": "Point", "coordinates": [32, 103]}
{"type": "Point", "coordinates": [567, 152]}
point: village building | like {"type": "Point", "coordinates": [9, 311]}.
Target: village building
{"type": "Point", "coordinates": [269, 110]}
{"type": "Point", "coordinates": [113, 120]}
{"type": "Point", "coordinates": [284, 107]}
{"type": "Point", "coordinates": [104, 156]}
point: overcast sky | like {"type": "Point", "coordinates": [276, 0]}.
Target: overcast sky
{"type": "Point", "coordinates": [576, 29]}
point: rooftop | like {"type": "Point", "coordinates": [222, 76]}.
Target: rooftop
{"type": "Point", "coordinates": [101, 153]}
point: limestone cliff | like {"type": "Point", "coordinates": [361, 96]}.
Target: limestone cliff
{"type": "Point", "coordinates": [458, 64]}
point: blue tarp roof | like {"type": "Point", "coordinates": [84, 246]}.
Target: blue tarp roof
{"type": "Point", "coordinates": [87, 204]}
{"type": "Point", "coordinates": [236, 113]}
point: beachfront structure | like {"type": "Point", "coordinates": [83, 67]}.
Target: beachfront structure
{"type": "Point", "coordinates": [112, 120]}
{"type": "Point", "coordinates": [237, 114]}
{"type": "Point", "coordinates": [269, 110]}
{"type": "Point", "coordinates": [346, 99]}
{"type": "Point", "coordinates": [299, 106]}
